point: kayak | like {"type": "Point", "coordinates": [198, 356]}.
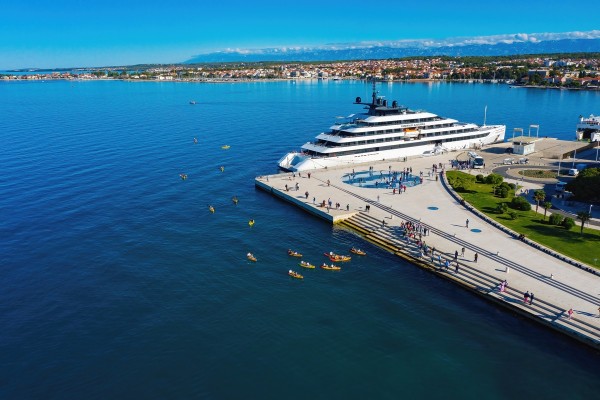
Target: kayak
{"type": "Point", "coordinates": [305, 264]}
{"type": "Point", "coordinates": [295, 274]}
{"type": "Point", "coordinates": [211, 209]}
{"type": "Point", "coordinates": [294, 253]}
{"type": "Point", "coordinates": [251, 257]}
{"type": "Point", "coordinates": [331, 267]}
{"type": "Point", "coordinates": [226, 147]}
{"type": "Point", "coordinates": [337, 257]}
{"type": "Point", "coordinates": [358, 252]}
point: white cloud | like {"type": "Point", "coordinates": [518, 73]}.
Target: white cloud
{"type": "Point", "coordinates": [427, 43]}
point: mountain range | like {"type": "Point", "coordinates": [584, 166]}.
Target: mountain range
{"type": "Point", "coordinates": [501, 45]}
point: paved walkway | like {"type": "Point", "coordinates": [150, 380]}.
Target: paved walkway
{"type": "Point", "coordinates": [500, 255]}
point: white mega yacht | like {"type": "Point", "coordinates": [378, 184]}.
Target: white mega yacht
{"type": "Point", "coordinates": [388, 132]}
{"type": "Point", "coordinates": [588, 128]}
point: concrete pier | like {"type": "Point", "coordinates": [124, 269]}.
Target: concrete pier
{"type": "Point", "coordinates": [377, 213]}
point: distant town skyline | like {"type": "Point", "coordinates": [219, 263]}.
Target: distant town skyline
{"type": "Point", "coordinates": [67, 33]}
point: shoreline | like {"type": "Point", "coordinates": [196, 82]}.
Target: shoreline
{"type": "Point", "coordinates": [380, 225]}
{"type": "Point", "coordinates": [45, 77]}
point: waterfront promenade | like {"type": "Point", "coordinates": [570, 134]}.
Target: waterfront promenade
{"type": "Point", "coordinates": [377, 213]}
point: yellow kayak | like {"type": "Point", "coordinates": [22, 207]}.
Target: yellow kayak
{"type": "Point", "coordinates": [294, 253]}
{"type": "Point", "coordinates": [295, 274]}
{"type": "Point", "coordinates": [211, 209]}
{"type": "Point", "coordinates": [337, 257]}
{"type": "Point", "coordinates": [251, 257]}
{"type": "Point", "coordinates": [331, 267]}
{"type": "Point", "coordinates": [358, 252]}
{"type": "Point", "coordinates": [226, 147]}
{"type": "Point", "coordinates": [305, 264]}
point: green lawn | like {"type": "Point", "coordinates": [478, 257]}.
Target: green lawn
{"type": "Point", "coordinates": [585, 248]}
{"type": "Point", "coordinates": [538, 173]}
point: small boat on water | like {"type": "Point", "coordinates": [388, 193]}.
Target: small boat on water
{"type": "Point", "coordinates": [331, 267]}
{"type": "Point", "coordinates": [183, 176]}
{"type": "Point", "coordinates": [337, 257]}
{"type": "Point", "coordinates": [251, 257]}
{"type": "Point", "coordinates": [294, 274]}
{"type": "Point", "coordinates": [226, 147]}
{"type": "Point", "coordinates": [306, 264]}
{"type": "Point", "coordinates": [192, 102]}
{"type": "Point", "coordinates": [251, 222]}
{"type": "Point", "coordinates": [357, 252]}
{"type": "Point", "coordinates": [293, 253]}
{"type": "Point", "coordinates": [211, 209]}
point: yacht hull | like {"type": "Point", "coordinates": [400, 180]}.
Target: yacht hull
{"type": "Point", "coordinates": [297, 161]}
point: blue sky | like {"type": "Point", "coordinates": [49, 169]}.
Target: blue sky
{"type": "Point", "coordinates": [63, 33]}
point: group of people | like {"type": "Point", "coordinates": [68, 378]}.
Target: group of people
{"type": "Point", "coordinates": [528, 297]}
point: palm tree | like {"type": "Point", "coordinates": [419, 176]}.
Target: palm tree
{"type": "Point", "coordinates": [538, 195]}
{"type": "Point", "coordinates": [584, 216]}
{"type": "Point", "coordinates": [546, 206]}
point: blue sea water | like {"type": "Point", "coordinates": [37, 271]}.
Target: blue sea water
{"type": "Point", "coordinates": [117, 282]}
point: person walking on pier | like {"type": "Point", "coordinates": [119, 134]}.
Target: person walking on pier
{"type": "Point", "coordinates": [462, 252]}
{"type": "Point", "coordinates": [475, 257]}
{"type": "Point", "coordinates": [570, 312]}
{"type": "Point", "coordinates": [456, 255]}
{"type": "Point", "coordinates": [525, 297]}
{"type": "Point", "coordinates": [531, 296]}
{"type": "Point", "coordinates": [456, 268]}
{"type": "Point", "coordinates": [467, 223]}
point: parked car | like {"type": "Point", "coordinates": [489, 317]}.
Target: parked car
{"type": "Point", "coordinates": [560, 186]}
{"type": "Point", "coordinates": [573, 172]}
{"type": "Point", "coordinates": [508, 161]}
{"type": "Point", "coordinates": [523, 160]}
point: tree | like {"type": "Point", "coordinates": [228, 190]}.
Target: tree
{"type": "Point", "coordinates": [538, 195]}
{"type": "Point", "coordinates": [583, 216]}
{"type": "Point", "coordinates": [586, 186]}
{"type": "Point", "coordinates": [556, 219]}
{"type": "Point", "coordinates": [547, 205]}
{"type": "Point", "coordinates": [520, 203]}
{"type": "Point", "coordinates": [568, 223]}
{"type": "Point", "coordinates": [494, 179]}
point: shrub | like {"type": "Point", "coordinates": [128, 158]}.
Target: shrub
{"type": "Point", "coordinates": [503, 192]}
{"type": "Point", "coordinates": [512, 186]}
{"type": "Point", "coordinates": [479, 178]}
{"type": "Point", "coordinates": [513, 215]}
{"type": "Point", "coordinates": [555, 219]}
{"type": "Point", "coordinates": [502, 208]}
{"type": "Point", "coordinates": [494, 179]}
{"type": "Point", "coordinates": [568, 223]}
{"type": "Point", "coordinates": [520, 203]}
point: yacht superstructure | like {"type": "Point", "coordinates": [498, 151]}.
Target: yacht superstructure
{"type": "Point", "coordinates": [388, 131]}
